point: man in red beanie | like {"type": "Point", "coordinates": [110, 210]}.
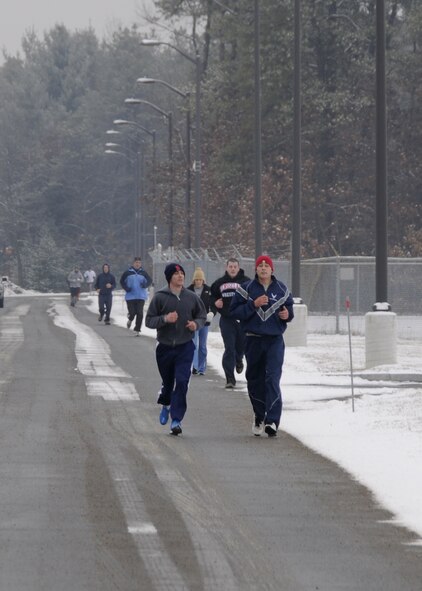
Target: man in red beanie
{"type": "Point", "coordinates": [264, 306]}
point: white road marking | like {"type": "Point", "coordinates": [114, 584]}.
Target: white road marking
{"type": "Point", "coordinates": [191, 501]}
{"type": "Point", "coordinates": [106, 379]}
{"type": "Point", "coordinates": [142, 528]}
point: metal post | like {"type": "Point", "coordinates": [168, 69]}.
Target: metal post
{"type": "Point", "coordinates": [171, 193]}
{"type": "Point", "coordinates": [188, 183]}
{"type": "Point", "coordinates": [381, 247]}
{"type": "Point", "coordinates": [297, 156]}
{"type": "Point", "coordinates": [154, 168]}
{"type": "Point", "coordinates": [198, 164]}
{"type": "Point", "coordinates": [258, 148]}
{"type": "Point", "coordinates": [142, 205]}
{"type": "Point", "coordinates": [350, 351]}
{"type": "Point", "coordinates": [136, 205]}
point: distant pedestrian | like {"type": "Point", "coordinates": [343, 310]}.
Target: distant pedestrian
{"type": "Point", "coordinates": [222, 292]}
{"type": "Point", "coordinates": [90, 277]}
{"type": "Point", "coordinates": [135, 281]}
{"type": "Point", "coordinates": [264, 305]}
{"type": "Point", "coordinates": [176, 313]}
{"type": "Point", "coordinates": [75, 280]}
{"type": "Point", "coordinates": [104, 285]}
{"type": "Point", "coordinates": [200, 337]}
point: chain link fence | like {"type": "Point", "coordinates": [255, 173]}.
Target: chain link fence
{"type": "Point", "coordinates": [325, 282]}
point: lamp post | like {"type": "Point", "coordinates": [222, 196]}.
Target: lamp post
{"type": "Point", "coordinates": [197, 164]}
{"type": "Point", "coordinates": [152, 134]}
{"type": "Point", "coordinates": [139, 189]}
{"type": "Point", "coordinates": [185, 96]}
{"type": "Point", "coordinates": [169, 117]}
{"type": "Point", "coordinates": [297, 154]}
{"type": "Point", "coordinates": [381, 249]}
{"type": "Point", "coordinates": [257, 128]}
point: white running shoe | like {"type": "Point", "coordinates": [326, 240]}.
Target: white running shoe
{"type": "Point", "coordinates": [257, 427]}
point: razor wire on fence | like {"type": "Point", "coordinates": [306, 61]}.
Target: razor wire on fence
{"type": "Point", "coordinates": [325, 282]}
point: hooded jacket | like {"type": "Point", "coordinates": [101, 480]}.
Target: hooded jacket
{"type": "Point", "coordinates": [188, 307]}
{"type": "Point", "coordinates": [225, 288]}
{"type": "Point", "coordinates": [135, 283]}
{"type": "Point", "coordinates": [103, 279]}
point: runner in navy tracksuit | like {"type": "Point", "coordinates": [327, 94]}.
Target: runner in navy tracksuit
{"type": "Point", "coordinates": [176, 313]}
{"type": "Point", "coordinates": [135, 281]}
{"type": "Point", "coordinates": [104, 284]}
{"type": "Point", "coordinates": [264, 305]}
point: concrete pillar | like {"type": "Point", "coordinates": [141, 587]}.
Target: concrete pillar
{"type": "Point", "coordinates": [380, 338]}
{"type": "Point", "coordinates": [297, 330]}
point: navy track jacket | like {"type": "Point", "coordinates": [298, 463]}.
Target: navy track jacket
{"type": "Point", "coordinates": [263, 320]}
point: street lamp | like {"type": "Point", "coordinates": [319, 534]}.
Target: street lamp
{"type": "Point", "coordinates": [257, 123]}
{"type": "Point", "coordinates": [169, 117]}
{"type": "Point", "coordinates": [152, 134]}
{"type": "Point", "coordinates": [139, 189]}
{"type": "Point", "coordinates": [197, 164]}
{"type": "Point", "coordinates": [258, 146]}
{"type": "Point", "coordinates": [381, 238]}
{"type": "Point", "coordinates": [185, 96]}
{"type": "Point", "coordinates": [297, 155]}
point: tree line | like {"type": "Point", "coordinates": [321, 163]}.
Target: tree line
{"type": "Point", "coordinates": [64, 201]}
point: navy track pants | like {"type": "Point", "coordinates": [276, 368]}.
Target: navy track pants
{"type": "Point", "coordinates": [264, 358]}
{"type": "Point", "coordinates": [175, 366]}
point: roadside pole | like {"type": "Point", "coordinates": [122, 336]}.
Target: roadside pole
{"type": "Point", "coordinates": [350, 351]}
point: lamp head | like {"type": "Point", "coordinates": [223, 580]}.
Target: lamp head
{"type": "Point", "coordinates": [151, 42]}
{"type": "Point", "coordinates": [145, 80]}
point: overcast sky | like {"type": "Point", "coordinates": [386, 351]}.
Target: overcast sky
{"type": "Point", "coordinates": [19, 16]}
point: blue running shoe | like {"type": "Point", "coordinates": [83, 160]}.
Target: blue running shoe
{"type": "Point", "coordinates": [176, 428]}
{"type": "Point", "coordinates": [164, 415]}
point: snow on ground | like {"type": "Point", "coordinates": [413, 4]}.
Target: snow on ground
{"type": "Point", "coordinates": [380, 443]}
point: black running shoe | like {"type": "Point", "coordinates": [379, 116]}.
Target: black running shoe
{"type": "Point", "coordinates": [271, 430]}
{"type": "Point", "coordinates": [239, 367]}
{"type": "Point", "coordinates": [176, 428]}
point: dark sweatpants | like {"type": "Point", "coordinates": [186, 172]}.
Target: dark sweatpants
{"type": "Point", "coordinates": [136, 308]}
{"type": "Point", "coordinates": [105, 301]}
{"type": "Point", "coordinates": [264, 358]}
{"type": "Point", "coordinates": [175, 366]}
{"type": "Point", "coordinates": [234, 345]}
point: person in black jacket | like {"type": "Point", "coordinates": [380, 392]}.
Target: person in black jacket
{"type": "Point", "coordinates": [222, 292]}
{"type": "Point", "coordinates": [176, 313]}
{"type": "Point", "coordinates": [200, 337]}
{"type": "Point", "coordinates": [104, 284]}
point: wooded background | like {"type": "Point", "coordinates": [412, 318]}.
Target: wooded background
{"type": "Point", "coordinates": [63, 201]}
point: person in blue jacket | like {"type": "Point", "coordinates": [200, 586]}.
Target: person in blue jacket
{"type": "Point", "coordinates": [264, 306]}
{"type": "Point", "coordinates": [135, 281]}
{"type": "Point", "coordinates": [104, 284]}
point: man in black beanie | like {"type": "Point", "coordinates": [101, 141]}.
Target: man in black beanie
{"type": "Point", "coordinates": [175, 312]}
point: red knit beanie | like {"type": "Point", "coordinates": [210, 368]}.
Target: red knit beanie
{"type": "Point", "coordinates": [265, 258]}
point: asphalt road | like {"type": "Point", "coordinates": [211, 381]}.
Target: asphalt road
{"type": "Point", "coordinates": [95, 494]}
